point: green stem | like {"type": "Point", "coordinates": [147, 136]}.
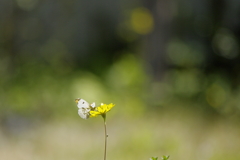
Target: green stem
{"type": "Point", "coordinates": [106, 135]}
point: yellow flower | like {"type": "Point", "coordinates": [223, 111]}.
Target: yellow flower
{"type": "Point", "coordinates": [101, 110]}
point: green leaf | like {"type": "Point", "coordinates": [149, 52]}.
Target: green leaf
{"type": "Point", "coordinates": [165, 157]}
{"type": "Point", "coordinates": [154, 158]}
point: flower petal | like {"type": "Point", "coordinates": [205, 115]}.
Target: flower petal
{"type": "Point", "coordinates": [102, 109]}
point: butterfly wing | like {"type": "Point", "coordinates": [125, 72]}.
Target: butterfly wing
{"type": "Point", "coordinates": [83, 113]}
{"type": "Point", "coordinates": [82, 103]}
{"type": "Point", "coordinates": [84, 108]}
{"type": "Point", "coordinates": [93, 105]}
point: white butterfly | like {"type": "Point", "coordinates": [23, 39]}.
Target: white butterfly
{"type": "Point", "coordinates": [84, 108]}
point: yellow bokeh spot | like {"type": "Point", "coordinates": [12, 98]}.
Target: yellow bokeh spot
{"type": "Point", "coordinates": [142, 21]}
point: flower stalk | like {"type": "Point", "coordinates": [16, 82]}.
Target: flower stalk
{"type": "Point", "coordinates": [106, 136]}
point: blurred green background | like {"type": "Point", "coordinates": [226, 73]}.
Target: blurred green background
{"type": "Point", "coordinates": [171, 67]}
